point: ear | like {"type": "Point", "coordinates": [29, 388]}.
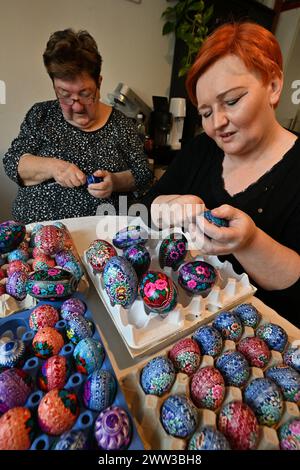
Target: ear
{"type": "Point", "coordinates": [275, 87]}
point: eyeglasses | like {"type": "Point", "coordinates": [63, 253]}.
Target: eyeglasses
{"type": "Point", "coordinates": [87, 99]}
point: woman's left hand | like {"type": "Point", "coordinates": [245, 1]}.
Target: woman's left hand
{"type": "Point", "coordinates": [104, 189]}
{"type": "Point", "coordinates": [214, 240]}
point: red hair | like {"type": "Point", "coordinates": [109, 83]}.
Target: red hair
{"type": "Point", "coordinates": [254, 45]}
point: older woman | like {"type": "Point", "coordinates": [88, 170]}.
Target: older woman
{"type": "Point", "coordinates": [62, 141]}
{"type": "Point", "coordinates": [245, 166]}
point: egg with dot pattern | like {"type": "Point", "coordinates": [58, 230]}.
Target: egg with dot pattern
{"type": "Point", "coordinates": [158, 292]}
{"type": "Point", "coordinates": [274, 335]}
{"type": "Point", "coordinates": [172, 251]}
{"type": "Point", "coordinates": [16, 285]}
{"type": "Point", "coordinates": [265, 399]}
{"type": "Point", "coordinates": [207, 388]}
{"type": "Point", "coordinates": [289, 435]}
{"type": "Point", "coordinates": [209, 340]}
{"type": "Point", "coordinates": [53, 373]}
{"type": "Point", "coordinates": [43, 315]}
{"type": "Point", "coordinates": [113, 429]}
{"type": "Point", "coordinates": [229, 325]}
{"type": "Point", "coordinates": [287, 379]}
{"type": "Point", "coordinates": [291, 357]}
{"type": "Point", "coordinates": [179, 416]}
{"type": "Point", "coordinates": [15, 387]}
{"type": "Point", "coordinates": [120, 281]}
{"type": "Point", "coordinates": [12, 352]}
{"type": "Point", "coordinates": [239, 425]}
{"type": "Point", "coordinates": [139, 257]}
{"type": "Point", "coordinates": [196, 277]}
{"type": "Point", "coordinates": [255, 351]}
{"type": "Point", "coordinates": [16, 427]}
{"type": "Point", "coordinates": [158, 376]}
{"type": "Point", "coordinates": [11, 235]}
{"type": "Point", "coordinates": [58, 411]}
{"type": "Point", "coordinates": [185, 355]}
{"type": "Point", "coordinates": [72, 305]}
{"type": "Point", "coordinates": [208, 438]}
{"type": "Point", "coordinates": [98, 253]}
{"type": "Point", "coordinates": [88, 355]}
{"type": "Point", "coordinates": [248, 315]}
{"type": "Point", "coordinates": [234, 368]}
{"type": "Point", "coordinates": [47, 342]}
{"type": "Point", "coordinates": [131, 235]}
{"type": "Point", "coordinates": [99, 390]}
{"type": "Point", "coordinates": [77, 329]}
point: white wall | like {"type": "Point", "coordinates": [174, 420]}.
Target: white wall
{"type": "Point", "coordinates": [129, 39]}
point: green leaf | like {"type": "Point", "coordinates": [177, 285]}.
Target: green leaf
{"type": "Point", "coordinates": [208, 14]}
{"type": "Point", "coordinates": [168, 28]}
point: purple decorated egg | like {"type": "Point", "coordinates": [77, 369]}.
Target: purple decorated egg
{"type": "Point", "coordinates": [58, 411]}
{"type": "Point", "coordinates": [113, 429]}
{"type": "Point", "coordinates": [11, 235]}
{"type": "Point", "coordinates": [229, 325]}
{"type": "Point", "coordinates": [12, 352]}
{"type": "Point", "coordinates": [179, 416]}
{"type": "Point", "coordinates": [208, 438]}
{"type": "Point", "coordinates": [291, 357]}
{"type": "Point", "coordinates": [78, 328]}
{"type": "Point", "coordinates": [99, 390]}
{"type": "Point", "coordinates": [158, 376]}
{"type": "Point", "coordinates": [49, 240]}
{"type": "Point", "coordinates": [209, 339]}
{"type": "Point", "coordinates": [139, 257]}
{"type": "Point", "coordinates": [120, 281]}
{"type": "Point", "coordinates": [265, 399]}
{"type": "Point", "coordinates": [172, 251]}
{"type": "Point", "coordinates": [239, 425]}
{"type": "Point", "coordinates": [88, 355]}
{"type": "Point", "coordinates": [72, 305]}
{"type": "Point", "coordinates": [289, 435]}
{"type": "Point", "coordinates": [53, 373]}
{"type": "Point", "coordinates": [131, 235]}
{"type": "Point", "coordinates": [234, 368]}
{"type": "Point", "coordinates": [16, 426]}
{"type": "Point", "coordinates": [158, 292]}
{"type": "Point", "coordinates": [207, 388]}
{"type": "Point", "coordinates": [43, 315]}
{"type": "Point", "coordinates": [197, 277]}
{"type": "Point", "coordinates": [255, 351]}
{"type": "Point", "coordinates": [185, 355]}
{"type": "Point", "coordinates": [16, 285]}
{"type": "Point", "coordinates": [18, 266]}
{"type": "Point", "coordinates": [98, 253]}
{"type": "Point", "coordinates": [15, 387]}
{"type": "Point", "coordinates": [274, 335]}
{"type": "Point", "coordinates": [47, 342]}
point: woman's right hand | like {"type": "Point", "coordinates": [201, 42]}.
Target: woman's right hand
{"type": "Point", "coordinates": [67, 174]}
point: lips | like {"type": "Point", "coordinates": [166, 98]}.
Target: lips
{"type": "Point", "coordinates": [224, 135]}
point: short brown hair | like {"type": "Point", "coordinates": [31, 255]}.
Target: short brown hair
{"type": "Point", "coordinates": [69, 54]}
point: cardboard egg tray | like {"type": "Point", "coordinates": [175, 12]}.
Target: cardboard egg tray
{"type": "Point", "coordinates": [17, 327]}
{"type": "Point", "coordinates": [142, 333]}
{"type": "Point", "coordinates": [146, 408]}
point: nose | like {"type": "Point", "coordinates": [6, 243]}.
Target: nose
{"type": "Point", "coordinates": [219, 119]}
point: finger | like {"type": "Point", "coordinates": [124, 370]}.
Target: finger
{"type": "Point", "coordinates": [101, 173]}
{"type": "Point", "coordinates": [224, 212]}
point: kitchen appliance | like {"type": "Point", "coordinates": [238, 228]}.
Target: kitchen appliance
{"type": "Point", "coordinates": [178, 111]}
{"type": "Point", "coordinates": [125, 100]}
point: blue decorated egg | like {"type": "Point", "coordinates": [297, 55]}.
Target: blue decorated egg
{"type": "Point", "coordinates": [179, 416]}
{"type": "Point", "coordinates": [207, 388]}
{"type": "Point", "coordinates": [78, 328]}
{"type": "Point", "coordinates": [51, 283]}
{"type": "Point", "coordinates": [234, 368]}
{"type": "Point", "coordinates": [158, 376]}
{"type": "Point", "coordinates": [208, 438]}
{"type": "Point", "coordinates": [131, 235]}
{"type": "Point", "coordinates": [289, 435]}
{"type": "Point", "coordinates": [18, 255]}
{"type": "Point", "coordinates": [12, 352]}
{"type": "Point", "coordinates": [215, 220]}
{"type": "Point", "coordinates": [139, 257]}
{"type": "Point", "coordinates": [255, 351]}
{"type": "Point", "coordinates": [248, 315]}
{"type": "Point", "coordinates": [15, 387]}
{"type": "Point", "coordinates": [99, 390]}
{"type": "Point", "coordinates": [11, 235]}
{"type": "Point", "coordinates": [120, 281]}
{"type": "Point", "coordinates": [209, 340]}
{"type": "Point", "coordinates": [98, 253]}
{"type": "Point", "coordinates": [16, 285]}
{"type": "Point", "coordinates": [88, 355]}
{"type": "Point", "coordinates": [185, 355]}
{"type": "Point", "coordinates": [287, 379]}
{"type": "Point", "coordinates": [265, 399]}
{"type": "Point", "coordinates": [274, 335]}
{"type": "Point", "coordinates": [72, 440]}
{"type": "Point", "coordinates": [113, 429]}
{"type": "Point", "coordinates": [172, 251]}
{"type": "Point", "coordinates": [53, 373]}
{"type": "Point", "coordinates": [229, 325]}
{"type": "Point", "coordinates": [71, 306]}
{"type": "Point", "coordinates": [291, 357]}
{"type": "Point", "coordinates": [239, 425]}
{"type": "Point", "coordinates": [158, 292]}
{"type": "Point", "coordinates": [197, 277]}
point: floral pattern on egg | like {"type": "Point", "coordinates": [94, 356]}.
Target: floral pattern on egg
{"type": "Point", "coordinates": [209, 340]}
{"type": "Point", "coordinates": [78, 328]}
{"type": "Point", "coordinates": [229, 325]}
{"type": "Point", "coordinates": [16, 285]}
{"type": "Point", "coordinates": [158, 292]}
{"type": "Point", "coordinates": [185, 355]}
{"type": "Point", "coordinates": [43, 315]}
{"type": "Point", "coordinates": [158, 376]}
{"type": "Point", "coordinates": [274, 335]}
{"type": "Point", "coordinates": [197, 277]}
{"type": "Point", "coordinates": [208, 438]}
{"type": "Point", "coordinates": [16, 429]}
{"type": "Point", "coordinates": [291, 357]}
{"type": "Point", "coordinates": [207, 388]}
{"type": "Point", "coordinates": [47, 342]}
{"type": "Point", "coordinates": [255, 351]}
{"type": "Point", "coordinates": [289, 435]}
{"type": "Point", "coordinates": [17, 265]}
{"type": "Point", "coordinates": [53, 373]}
{"type": "Point", "coordinates": [51, 283]}
{"type": "Point", "coordinates": [120, 281]}
{"type": "Point", "coordinates": [88, 355]}
{"type": "Point", "coordinates": [265, 399]}
{"type": "Point", "coordinates": [172, 251]}
{"type": "Point", "coordinates": [234, 368]}
{"type": "Point", "coordinates": [287, 379]}
{"type": "Point", "coordinates": [11, 235]}
{"type": "Point", "coordinates": [179, 416]}
{"type": "Point", "coordinates": [131, 235]}
{"type": "Point", "coordinates": [239, 425]}
{"type": "Point", "coordinates": [98, 253]}
{"type": "Point", "coordinates": [72, 305]}
{"type": "Point", "coordinates": [49, 239]}
{"type": "Point", "coordinates": [248, 315]}
{"type": "Point", "coordinates": [139, 257]}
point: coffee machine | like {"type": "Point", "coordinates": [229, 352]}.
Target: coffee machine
{"type": "Point", "coordinates": [178, 111]}
{"type": "Point", "coordinates": [159, 127]}
{"type": "Point", "coordinates": [129, 103]}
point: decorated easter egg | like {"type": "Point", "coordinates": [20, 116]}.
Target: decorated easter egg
{"type": "Point", "coordinates": [274, 335]}
{"type": "Point", "coordinates": [208, 438]}
{"type": "Point", "coordinates": [289, 435]}
{"type": "Point", "coordinates": [16, 285]}
{"type": "Point", "coordinates": [43, 315]}
{"type": "Point", "coordinates": [172, 251]}
{"type": "Point", "coordinates": [47, 342]}
{"type": "Point", "coordinates": [158, 292]}
{"type": "Point", "coordinates": [131, 235]}
{"type": "Point", "coordinates": [11, 235]}
{"type": "Point", "coordinates": [67, 260]}
{"type": "Point", "coordinates": [18, 266]}
{"type": "Point", "coordinates": [139, 257]}
{"type": "Point", "coordinates": [179, 416]}
{"type": "Point", "coordinates": [291, 357]}
{"type": "Point", "coordinates": [57, 411]}
{"type": "Point", "coordinates": [98, 253]}
{"type": "Point", "coordinates": [72, 305]}
{"type": "Point", "coordinates": [33, 233]}
{"type": "Point", "coordinates": [255, 351]}
{"type": "Point", "coordinates": [209, 339]}
{"type": "Point", "coordinates": [49, 239]}
{"type": "Point", "coordinates": [265, 399]}
{"type": "Point", "coordinates": [16, 427]}
{"type": "Point", "coordinates": [88, 355]}
{"type": "Point", "coordinates": [120, 281]}
{"type": "Point", "coordinates": [43, 262]}
{"type": "Point", "coordinates": [248, 315]}
{"type": "Point", "coordinates": [18, 255]}
{"type": "Point", "coordinates": [158, 376]}
{"type": "Point", "coordinates": [113, 429]}
{"type": "Point", "coordinates": [53, 373]}
{"type": "Point", "coordinates": [99, 390]}
{"type": "Point", "coordinates": [72, 440]}
{"type": "Point", "coordinates": [229, 325]}
{"type": "Point", "coordinates": [207, 388]}
{"type": "Point", "coordinates": [78, 328]}
{"type": "Point", "coordinates": [287, 379]}
{"type": "Point", "coordinates": [51, 283]}
{"type": "Point", "coordinates": [197, 277]}
{"type": "Point", "coordinates": [12, 352]}
{"type": "Point", "coordinates": [15, 387]}
{"type": "Point", "coordinates": [215, 220]}
{"type": "Point", "coordinates": [234, 368]}
{"type": "Point", "coordinates": [239, 425]}
{"type": "Point", "coordinates": [185, 355]}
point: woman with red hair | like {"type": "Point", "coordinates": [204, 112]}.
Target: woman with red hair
{"type": "Point", "coordinates": [245, 167]}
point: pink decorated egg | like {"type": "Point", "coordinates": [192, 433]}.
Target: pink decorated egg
{"type": "Point", "coordinates": [18, 265]}
{"type": "Point", "coordinates": [98, 253]}
{"type": "Point", "coordinates": [15, 387]}
{"type": "Point", "coordinates": [16, 429]}
{"type": "Point", "coordinates": [43, 315]}
{"type": "Point", "coordinates": [158, 292]}
{"type": "Point", "coordinates": [58, 411]}
{"type": "Point", "coordinates": [239, 425]}
{"type": "Point", "coordinates": [49, 239]}
{"type": "Point", "coordinates": [185, 355]}
{"type": "Point", "coordinates": [113, 429]}
{"type": "Point", "coordinates": [207, 388]}
{"type": "Point", "coordinates": [53, 373]}
{"type": "Point", "coordinates": [47, 342]}
{"type": "Point", "coordinates": [255, 351]}
{"type": "Point", "coordinates": [197, 277]}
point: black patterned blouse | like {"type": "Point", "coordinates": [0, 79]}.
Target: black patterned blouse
{"type": "Point", "coordinates": [44, 132]}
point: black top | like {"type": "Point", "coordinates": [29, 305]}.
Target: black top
{"type": "Point", "coordinates": [44, 132]}
{"type": "Point", "coordinates": [273, 202]}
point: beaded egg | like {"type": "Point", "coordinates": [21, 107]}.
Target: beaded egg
{"type": "Point", "coordinates": [99, 390]}
{"type": "Point", "coordinates": [274, 335]}
{"type": "Point", "coordinates": [16, 427]}
{"type": "Point", "coordinates": [172, 251]}
{"type": "Point", "coordinates": [18, 266]}
{"type": "Point", "coordinates": [120, 281]}
{"type": "Point", "coordinates": [15, 387]}
{"type": "Point", "coordinates": [158, 376]}
{"type": "Point", "coordinates": [11, 235]}
{"type": "Point", "coordinates": [287, 379]}
{"type": "Point", "coordinates": [131, 235]}
{"type": "Point", "coordinates": [139, 257]}
{"type": "Point", "coordinates": [113, 429]}
{"type": "Point", "coordinates": [255, 351]}
{"type": "Point", "coordinates": [158, 292]}
{"type": "Point", "coordinates": [185, 355]}
{"type": "Point", "coordinates": [98, 253]}
{"type": "Point", "coordinates": [43, 315]}
{"type": "Point", "coordinates": [57, 411]}
{"type": "Point", "coordinates": [78, 328]}
{"type": "Point", "coordinates": [239, 425]}
{"type": "Point", "coordinates": [88, 355]}
{"type": "Point", "coordinates": [51, 283]}
{"type": "Point", "coordinates": [209, 339]}
{"type": "Point", "coordinates": [248, 315]}
{"type": "Point", "coordinates": [289, 435]}
{"type": "Point", "coordinates": [208, 438]}
{"type": "Point", "coordinates": [229, 325]}
{"type": "Point", "coordinates": [265, 399]}
{"type": "Point", "coordinates": [291, 357]}
{"type": "Point", "coordinates": [72, 305]}
{"type": "Point", "coordinates": [53, 373]}
{"type": "Point", "coordinates": [47, 342]}
{"type": "Point", "coordinates": [178, 416]}
{"type": "Point", "coordinates": [16, 285]}
{"type": "Point", "coordinates": [215, 220]}
{"type": "Point", "coordinates": [234, 368]}
{"type": "Point", "coordinates": [207, 388]}
{"type": "Point", "coordinates": [49, 239]}
{"type": "Point", "coordinates": [12, 352]}
{"type": "Point", "coordinates": [72, 440]}
{"type": "Point", "coordinates": [197, 277]}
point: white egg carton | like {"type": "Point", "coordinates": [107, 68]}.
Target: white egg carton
{"type": "Point", "coordinates": [146, 408]}
{"type": "Point", "coordinates": [143, 333]}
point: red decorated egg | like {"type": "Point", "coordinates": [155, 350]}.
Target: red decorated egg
{"type": "Point", "coordinates": [43, 315]}
{"type": "Point", "coordinates": [49, 239]}
{"type": "Point", "coordinates": [207, 388]}
{"type": "Point", "coordinates": [185, 355]}
{"type": "Point", "coordinates": [98, 253]}
{"type": "Point", "coordinates": [18, 265]}
{"type": "Point", "coordinates": [53, 373]}
{"type": "Point", "coordinates": [58, 411]}
{"type": "Point", "coordinates": [255, 351]}
{"type": "Point", "coordinates": [47, 342]}
{"type": "Point", "coordinates": [15, 429]}
{"type": "Point", "coordinates": [239, 425]}
{"type": "Point", "coordinates": [158, 292]}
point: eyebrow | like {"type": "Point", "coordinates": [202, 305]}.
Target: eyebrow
{"type": "Point", "coordinates": [221, 95]}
